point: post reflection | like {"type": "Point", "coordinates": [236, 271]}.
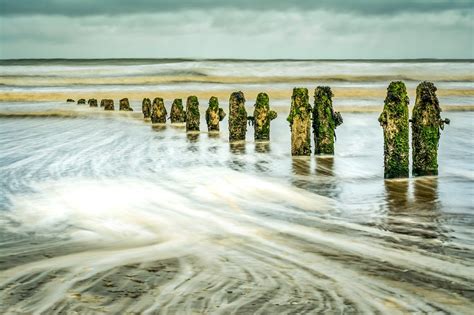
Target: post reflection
{"type": "Point", "coordinates": [301, 169]}
{"type": "Point", "coordinates": [326, 183]}
{"type": "Point", "coordinates": [417, 217]}
{"type": "Point", "coordinates": [192, 139]}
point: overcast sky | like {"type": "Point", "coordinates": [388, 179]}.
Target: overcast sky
{"type": "Point", "coordinates": [236, 29]}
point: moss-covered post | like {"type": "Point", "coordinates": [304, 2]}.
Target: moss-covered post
{"type": "Point", "coordinates": [237, 117]}
{"type": "Point", "coordinates": [125, 105]}
{"type": "Point", "coordinates": [394, 121]}
{"type": "Point", "coordinates": [102, 102]}
{"type": "Point", "coordinates": [426, 124]}
{"type": "Point", "coordinates": [193, 116]}
{"type": "Point", "coordinates": [158, 111]}
{"type": "Point", "coordinates": [177, 113]}
{"type": "Point", "coordinates": [262, 116]}
{"type": "Point", "coordinates": [108, 104]}
{"type": "Point", "coordinates": [92, 102]}
{"type": "Point", "coordinates": [325, 121]}
{"type": "Point", "coordinates": [300, 122]}
{"type": "Point", "coordinates": [146, 108]}
{"type": "Point", "coordinates": [214, 114]}
{"type": "Point", "coordinates": [81, 101]}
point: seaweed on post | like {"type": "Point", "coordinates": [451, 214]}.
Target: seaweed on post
{"type": "Point", "coordinates": [237, 117]}
{"type": "Point", "coordinates": [426, 125]}
{"type": "Point", "coordinates": [325, 121]}
{"type": "Point", "coordinates": [214, 114]}
{"type": "Point", "coordinates": [394, 121]}
{"type": "Point", "coordinates": [300, 122]}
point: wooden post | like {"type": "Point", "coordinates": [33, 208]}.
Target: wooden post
{"type": "Point", "coordinates": [81, 101]}
{"type": "Point", "coordinates": [394, 121]}
{"type": "Point", "coordinates": [108, 104]}
{"type": "Point", "coordinates": [146, 108]}
{"type": "Point", "coordinates": [426, 124]}
{"type": "Point", "coordinates": [237, 117]}
{"type": "Point", "coordinates": [300, 122]}
{"type": "Point", "coordinates": [214, 114]}
{"type": "Point", "coordinates": [193, 117]}
{"type": "Point", "coordinates": [158, 111]}
{"type": "Point", "coordinates": [325, 121]}
{"type": "Point", "coordinates": [262, 116]}
{"type": "Point", "coordinates": [177, 113]}
{"type": "Point", "coordinates": [125, 105]}
{"type": "Point", "coordinates": [92, 102]}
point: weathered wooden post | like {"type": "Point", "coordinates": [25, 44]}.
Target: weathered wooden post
{"type": "Point", "coordinates": [177, 113]}
{"type": "Point", "coordinates": [108, 104]}
{"type": "Point", "coordinates": [193, 117]}
{"type": "Point", "coordinates": [394, 121]}
{"type": "Point", "coordinates": [81, 101]}
{"type": "Point", "coordinates": [325, 121]}
{"type": "Point", "coordinates": [426, 123]}
{"type": "Point", "coordinates": [214, 114]}
{"type": "Point", "coordinates": [92, 102]}
{"type": "Point", "coordinates": [300, 122]}
{"type": "Point", "coordinates": [125, 105]}
{"type": "Point", "coordinates": [158, 111]}
{"type": "Point", "coordinates": [237, 117]}
{"type": "Point", "coordinates": [146, 108]}
{"type": "Point", "coordinates": [262, 116]}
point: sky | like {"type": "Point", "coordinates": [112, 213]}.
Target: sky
{"type": "Point", "coordinates": [248, 29]}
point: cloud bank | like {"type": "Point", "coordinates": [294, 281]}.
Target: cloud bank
{"type": "Point", "coordinates": [236, 29]}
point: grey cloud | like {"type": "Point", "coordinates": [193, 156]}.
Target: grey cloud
{"type": "Point", "coordinates": [124, 7]}
{"type": "Point", "coordinates": [239, 34]}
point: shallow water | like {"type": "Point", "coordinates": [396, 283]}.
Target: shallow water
{"type": "Point", "coordinates": [356, 83]}
{"type": "Point", "coordinates": [103, 213]}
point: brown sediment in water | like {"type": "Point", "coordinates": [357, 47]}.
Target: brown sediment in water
{"type": "Point", "coordinates": [279, 94]}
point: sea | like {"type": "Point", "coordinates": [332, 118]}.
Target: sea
{"type": "Point", "coordinates": [106, 213]}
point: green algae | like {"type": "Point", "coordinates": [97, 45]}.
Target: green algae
{"type": "Point", "coordinates": [394, 121]}
{"type": "Point", "coordinates": [158, 111]}
{"type": "Point", "coordinates": [325, 121]}
{"type": "Point", "coordinates": [426, 124]}
{"type": "Point", "coordinates": [262, 116]}
{"type": "Point", "coordinates": [146, 108]}
{"type": "Point", "coordinates": [237, 117]}
{"type": "Point", "coordinates": [193, 117]}
{"type": "Point", "coordinates": [177, 112]}
{"type": "Point", "coordinates": [300, 122]}
{"type": "Point", "coordinates": [214, 114]}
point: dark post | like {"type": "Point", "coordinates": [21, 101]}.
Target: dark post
{"type": "Point", "coordinates": [158, 111]}
{"type": "Point", "coordinates": [300, 122]}
{"type": "Point", "coordinates": [81, 101]}
{"type": "Point", "coordinates": [146, 108]}
{"type": "Point", "coordinates": [177, 113]}
{"type": "Point", "coordinates": [193, 117]}
{"type": "Point", "coordinates": [108, 104]}
{"type": "Point", "coordinates": [237, 117]}
{"type": "Point", "coordinates": [325, 121]}
{"type": "Point", "coordinates": [125, 105]}
{"type": "Point", "coordinates": [92, 102]}
{"type": "Point", "coordinates": [214, 114]}
{"type": "Point", "coordinates": [426, 124]}
{"type": "Point", "coordinates": [394, 121]}
{"type": "Point", "coordinates": [262, 116]}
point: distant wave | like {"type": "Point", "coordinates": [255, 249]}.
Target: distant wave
{"type": "Point", "coordinates": [201, 77]}
{"type": "Point", "coordinates": [139, 61]}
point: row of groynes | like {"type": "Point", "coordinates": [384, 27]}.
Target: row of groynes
{"type": "Point", "coordinates": [426, 123]}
